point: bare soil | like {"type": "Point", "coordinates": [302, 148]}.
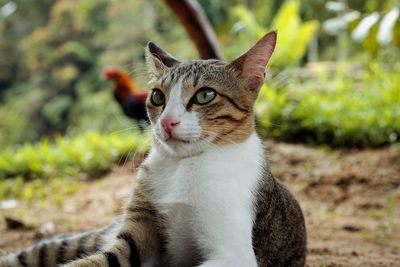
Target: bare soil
{"type": "Point", "coordinates": [350, 199]}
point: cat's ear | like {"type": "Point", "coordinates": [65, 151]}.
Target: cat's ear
{"type": "Point", "coordinates": [157, 59]}
{"type": "Point", "coordinates": [251, 65]}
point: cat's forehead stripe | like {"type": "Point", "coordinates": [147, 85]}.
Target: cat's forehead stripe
{"type": "Point", "coordinates": [163, 80]}
{"type": "Point", "coordinates": [196, 78]}
{"type": "Point", "coordinates": [194, 69]}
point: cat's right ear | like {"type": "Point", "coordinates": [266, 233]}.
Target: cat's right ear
{"type": "Point", "coordinates": [157, 59]}
{"type": "Point", "coordinates": [251, 65]}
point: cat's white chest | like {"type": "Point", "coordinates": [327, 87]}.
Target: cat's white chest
{"type": "Point", "coordinates": [204, 195]}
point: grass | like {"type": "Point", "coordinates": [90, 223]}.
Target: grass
{"type": "Point", "coordinates": [57, 168]}
{"type": "Point", "coordinates": [351, 108]}
{"type": "Point", "coordinates": [87, 153]}
{"type": "Point", "coordinates": [55, 189]}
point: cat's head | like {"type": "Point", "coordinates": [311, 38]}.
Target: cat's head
{"type": "Point", "coordinates": [201, 103]}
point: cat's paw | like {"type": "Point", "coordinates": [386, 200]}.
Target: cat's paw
{"type": "Point", "coordinates": [91, 261]}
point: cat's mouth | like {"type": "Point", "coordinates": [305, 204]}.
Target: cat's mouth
{"type": "Point", "coordinates": [176, 140]}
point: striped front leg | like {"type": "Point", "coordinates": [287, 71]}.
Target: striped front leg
{"type": "Point", "coordinates": [138, 239]}
{"type": "Point", "coordinates": [123, 253]}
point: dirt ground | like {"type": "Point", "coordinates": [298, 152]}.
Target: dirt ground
{"type": "Point", "coordinates": [350, 199]}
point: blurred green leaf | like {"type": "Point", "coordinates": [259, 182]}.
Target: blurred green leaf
{"type": "Point", "coordinates": [293, 34]}
{"type": "Point", "coordinates": [351, 109]}
{"type": "Point", "coordinates": [70, 156]}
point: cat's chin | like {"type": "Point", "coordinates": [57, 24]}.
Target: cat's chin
{"type": "Point", "coordinates": [182, 148]}
{"type": "Point", "coordinates": [177, 141]}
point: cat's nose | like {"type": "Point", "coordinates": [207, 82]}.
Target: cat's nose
{"type": "Point", "coordinates": [169, 124]}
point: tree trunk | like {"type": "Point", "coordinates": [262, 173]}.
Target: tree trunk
{"type": "Point", "coordinates": [196, 24]}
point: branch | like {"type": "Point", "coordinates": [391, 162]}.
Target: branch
{"type": "Point", "coordinates": [198, 27]}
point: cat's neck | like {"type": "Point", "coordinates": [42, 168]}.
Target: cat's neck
{"type": "Point", "coordinates": [252, 147]}
{"type": "Point", "coordinates": [225, 175]}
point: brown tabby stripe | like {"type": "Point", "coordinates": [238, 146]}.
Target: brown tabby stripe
{"type": "Point", "coordinates": [234, 103]}
{"type": "Point", "coordinates": [228, 132]}
{"type": "Point", "coordinates": [22, 258]}
{"type": "Point", "coordinates": [96, 242]}
{"type": "Point", "coordinates": [61, 251]}
{"type": "Point", "coordinates": [80, 251]}
{"type": "Point", "coordinates": [226, 117]}
{"type": "Point", "coordinates": [163, 81]}
{"type": "Point", "coordinates": [112, 259]}
{"type": "Point", "coordinates": [134, 259]}
{"type": "Point", "coordinates": [43, 255]}
{"type": "Point", "coordinates": [149, 211]}
{"type": "Point", "coordinates": [196, 79]}
{"type": "Point", "coordinates": [231, 130]}
{"type": "Point", "coordinates": [213, 107]}
{"type": "Point", "coordinates": [139, 218]}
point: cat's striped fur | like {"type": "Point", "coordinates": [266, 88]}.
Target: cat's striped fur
{"type": "Point", "coordinates": [204, 196]}
{"type": "Point", "coordinates": [61, 249]}
{"type": "Point", "coordinates": [138, 225]}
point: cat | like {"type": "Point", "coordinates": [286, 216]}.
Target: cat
{"type": "Point", "coordinates": [204, 196]}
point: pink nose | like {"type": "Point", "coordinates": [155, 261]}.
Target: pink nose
{"type": "Point", "coordinates": [169, 124]}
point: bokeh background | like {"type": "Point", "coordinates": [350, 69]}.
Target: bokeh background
{"type": "Point", "coordinates": [329, 110]}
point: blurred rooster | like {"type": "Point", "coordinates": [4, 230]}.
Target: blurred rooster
{"type": "Point", "coordinates": [130, 98]}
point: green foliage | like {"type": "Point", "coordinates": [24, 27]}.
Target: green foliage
{"type": "Point", "coordinates": [293, 34]}
{"type": "Point", "coordinates": [90, 152]}
{"type": "Point", "coordinates": [14, 128]}
{"type": "Point", "coordinates": [349, 108]}
{"type": "Point", "coordinates": [39, 189]}
{"type": "Point", "coordinates": [56, 111]}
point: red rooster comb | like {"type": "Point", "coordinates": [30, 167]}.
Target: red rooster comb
{"type": "Point", "coordinates": [111, 73]}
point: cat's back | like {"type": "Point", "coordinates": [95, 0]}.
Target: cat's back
{"type": "Point", "coordinates": [279, 234]}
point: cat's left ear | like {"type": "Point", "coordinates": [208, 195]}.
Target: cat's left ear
{"type": "Point", "coordinates": [157, 59]}
{"type": "Point", "coordinates": [251, 65]}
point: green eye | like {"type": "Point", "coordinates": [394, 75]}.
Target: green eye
{"type": "Point", "coordinates": [204, 96]}
{"type": "Point", "coordinates": [157, 97]}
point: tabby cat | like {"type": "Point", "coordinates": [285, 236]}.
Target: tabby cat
{"type": "Point", "coordinates": [204, 196]}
